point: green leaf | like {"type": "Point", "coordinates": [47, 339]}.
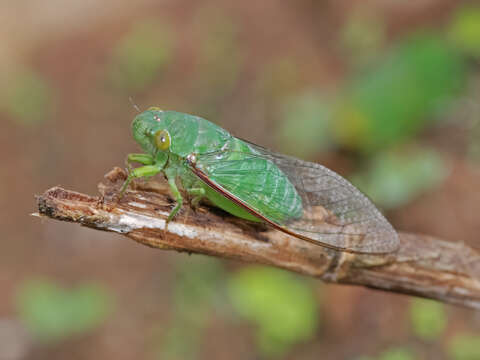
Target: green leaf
{"type": "Point", "coordinates": [465, 347]}
{"type": "Point", "coordinates": [397, 354]}
{"type": "Point", "coordinates": [396, 99]}
{"type": "Point", "coordinates": [394, 178]}
{"type": "Point", "coordinates": [464, 30]}
{"type": "Point", "coordinates": [53, 313]}
{"type": "Point", "coordinates": [428, 318]}
{"type": "Point", "coordinates": [140, 56]}
{"type": "Point", "coordinates": [282, 306]}
{"type": "Point", "coordinates": [28, 98]}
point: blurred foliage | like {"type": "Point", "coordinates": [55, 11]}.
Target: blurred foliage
{"type": "Point", "coordinates": [389, 98]}
{"type": "Point", "coordinates": [465, 347]}
{"type": "Point", "coordinates": [464, 30]}
{"type": "Point", "coordinates": [398, 97]}
{"type": "Point", "coordinates": [219, 59]}
{"type": "Point", "coordinates": [387, 105]}
{"type": "Point", "coordinates": [279, 80]}
{"type": "Point", "coordinates": [281, 305]}
{"type": "Point", "coordinates": [305, 126]}
{"type": "Point", "coordinates": [52, 313]}
{"type": "Point", "coordinates": [393, 178]}
{"type": "Point", "coordinates": [140, 56]}
{"type": "Point", "coordinates": [428, 318]}
{"type": "Point", "coordinates": [198, 290]}
{"type": "Point", "coordinates": [29, 98]}
{"type": "Point", "coordinates": [362, 38]}
{"type": "Point", "coordinates": [474, 140]}
{"type": "Point", "coordinates": [397, 354]}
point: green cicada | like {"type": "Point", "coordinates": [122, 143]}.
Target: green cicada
{"type": "Point", "coordinates": [300, 198]}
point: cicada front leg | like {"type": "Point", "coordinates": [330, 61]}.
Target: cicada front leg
{"type": "Point", "coordinates": [149, 169]}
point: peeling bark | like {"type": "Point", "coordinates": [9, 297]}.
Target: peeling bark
{"type": "Point", "coordinates": [423, 265]}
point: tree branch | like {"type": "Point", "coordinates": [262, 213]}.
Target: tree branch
{"type": "Point", "coordinates": [423, 266]}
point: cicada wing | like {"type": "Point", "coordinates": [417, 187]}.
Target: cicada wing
{"type": "Point", "coordinates": [325, 193]}
{"type": "Point", "coordinates": [334, 213]}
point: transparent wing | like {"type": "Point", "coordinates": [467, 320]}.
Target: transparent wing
{"type": "Point", "coordinates": [333, 212]}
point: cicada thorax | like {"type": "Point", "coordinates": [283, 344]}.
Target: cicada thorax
{"type": "Point", "coordinates": [192, 134]}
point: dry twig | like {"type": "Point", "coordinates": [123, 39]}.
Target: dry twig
{"type": "Point", "coordinates": [423, 266]}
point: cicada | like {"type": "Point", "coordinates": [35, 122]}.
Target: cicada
{"type": "Point", "coordinates": [303, 199]}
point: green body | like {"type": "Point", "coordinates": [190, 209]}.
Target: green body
{"type": "Point", "coordinates": [234, 166]}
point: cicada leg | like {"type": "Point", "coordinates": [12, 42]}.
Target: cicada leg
{"type": "Point", "coordinates": [178, 198]}
{"type": "Point", "coordinates": [147, 170]}
{"type": "Point", "coordinates": [198, 194]}
{"type": "Point", "coordinates": [144, 159]}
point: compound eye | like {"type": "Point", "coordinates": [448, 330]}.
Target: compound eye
{"type": "Point", "coordinates": [162, 140]}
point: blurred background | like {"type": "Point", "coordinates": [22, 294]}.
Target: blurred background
{"type": "Point", "coordinates": [384, 92]}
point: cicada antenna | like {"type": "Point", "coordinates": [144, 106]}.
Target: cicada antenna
{"type": "Point", "coordinates": [135, 106]}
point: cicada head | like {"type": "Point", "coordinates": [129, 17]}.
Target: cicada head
{"type": "Point", "coordinates": [149, 131]}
